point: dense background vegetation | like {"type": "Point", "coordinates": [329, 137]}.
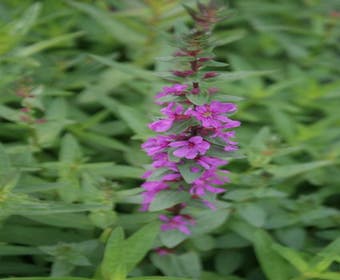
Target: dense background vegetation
{"type": "Point", "coordinates": [70, 167]}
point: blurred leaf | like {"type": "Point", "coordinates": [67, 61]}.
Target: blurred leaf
{"type": "Point", "coordinates": [167, 199]}
{"type": "Point", "coordinates": [207, 220]}
{"type": "Point", "coordinates": [159, 278]}
{"type": "Point", "coordinates": [292, 256]}
{"type": "Point", "coordinates": [253, 214]}
{"type": "Point", "coordinates": [138, 245]}
{"type": "Point", "coordinates": [227, 262]}
{"type": "Point", "coordinates": [185, 265]}
{"type": "Point", "coordinates": [114, 26]}
{"type": "Point", "coordinates": [199, 99]}
{"type": "Point", "coordinates": [113, 263]}
{"type": "Point", "coordinates": [187, 171]}
{"type": "Point", "coordinates": [292, 236]}
{"type": "Point", "coordinates": [271, 263]}
{"type": "Point", "coordinates": [28, 19]}
{"type": "Point", "coordinates": [286, 171]}
{"type": "Point", "coordinates": [42, 45]}
{"type": "Point", "coordinates": [12, 250]}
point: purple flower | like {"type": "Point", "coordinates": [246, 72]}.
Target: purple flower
{"type": "Point", "coordinates": [173, 113]}
{"type": "Point", "coordinates": [210, 162]}
{"type": "Point", "coordinates": [176, 89]}
{"type": "Point", "coordinates": [147, 174]}
{"type": "Point", "coordinates": [156, 144]}
{"type": "Point", "coordinates": [226, 135]}
{"type": "Point", "coordinates": [205, 183]}
{"type": "Point", "coordinates": [231, 147]}
{"type": "Point", "coordinates": [162, 160]}
{"type": "Point", "coordinates": [151, 190]}
{"type": "Point", "coordinates": [213, 114]}
{"type": "Point", "coordinates": [190, 148]}
{"type": "Point", "coordinates": [172, 177]}
{"type": "Point", "coordinates": [161, 125]}
{"type": "Point", "coordinates": [179, 222]}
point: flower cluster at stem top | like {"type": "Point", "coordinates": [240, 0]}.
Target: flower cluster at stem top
{"type": "Point", "coordinates": [195, 134]}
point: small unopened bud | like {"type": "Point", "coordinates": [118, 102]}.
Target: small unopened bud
{"type": "Point", "coordinates": [195, 91]}
{"type": "Point", "coordinates": [209, 75]}
{"type": "Point", "coordinates": [183, 74]}
{"type": "Point", "coordinates": [40, 121]}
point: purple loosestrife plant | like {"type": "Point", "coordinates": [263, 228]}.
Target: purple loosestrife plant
{"type": "Point", "coordinates": [194, 137]}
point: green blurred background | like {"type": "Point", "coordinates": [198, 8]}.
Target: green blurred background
{"type": "Point", "coordinates": [70, 170]}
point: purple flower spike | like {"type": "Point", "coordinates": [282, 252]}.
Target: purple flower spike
{"type": "Point", "coordinates": [191, 148]}
{"type": "Point", "coordinates": [194, 136]}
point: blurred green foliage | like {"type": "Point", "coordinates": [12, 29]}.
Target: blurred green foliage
{"type": "Point", "coordinates": [70, 167]}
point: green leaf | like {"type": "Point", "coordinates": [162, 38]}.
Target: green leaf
{"type": "Point", "coordinates": [231, 240]}
{"type": "Point", "coordinates": [328, 276]}
{"type": "Point", "coordinates": [166, 199]}
{"type": "Point", "coordinates": [199, 99]}
{"type": "Point", "coordinates": [186, 171]}
{"type": "Point", "coordinates": [171, 155]}
{"type": "Point", "coordinates": [29, 207]}
{"type": "Point", "coordinates": [208, 220]}
{"type": "Point", "coordinates": [37, 236]}
{"type": "Point", "coordinates": [283, 122]}
{"type": "Point", "coordinates": [187, 265]}
{"type": "Point", "coordinates": [127, 68]}
{"type": "Point", "coordinates": [42, 45]}
{"type": "Point", "coordinates": [253, 214]}
{"type": "Point", "coordinates": [100, 140]}
{"type": "Point", "coordinates": [292, 256]}
{"type": "Point", "coordinates": [121, 256]}
{"type": "Point", "coordinates": [180, 126]}
{"type": "Point", "coordinates": [226, 98]}
{"type": "Point", "coordinates": [28, 19]}
{"type": "Point", "coordinates": [160, 278]}
{"type": "Point", "coordinates": [9, 180]}
{"type": "Point", "coordinates": [113, 265]}
{"type": "Point", "coordinates": [207, 275]}
{"type": "Point", "coordinates": [135, 119]}
{"type": "Point", "coordinates": [327, 256]}
{"type": "Point", "coordinates": [292, 236]}
{"type": "Point", "coordinates": [13, 250]}
{"type": "Point", "coordinates": [272, 264]}
{"type": "Point", "coordinates": [70, 149]}
{"type": "Point", "coordinates": [239, 75]}
{"type": "Point", "coordinates": [111, 170]}
{"type": "Point", "coordinates": [45, 278]}
{"type": "Point", "coordinates": [286, 171]}
{"type": "Point", "coordinates": [227, 262]}
{"type": "Point", "coordinates": [114, 26]}
{"type": "Point", "coordinates": [69, 220]}
{"type": "Point", "coordinates": [38, 187]}
{"type": "Point", "coordinates": [9, 114]}
{"type": "Point", "coordinates": [218, 151]}
{"type": "Point", "coordinates": [138, 245]}
{"type": "Point", "coordinates": [172, 238]}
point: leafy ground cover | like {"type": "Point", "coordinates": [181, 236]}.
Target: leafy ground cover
{"type": "Point", "coordinates": [77, 80]}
